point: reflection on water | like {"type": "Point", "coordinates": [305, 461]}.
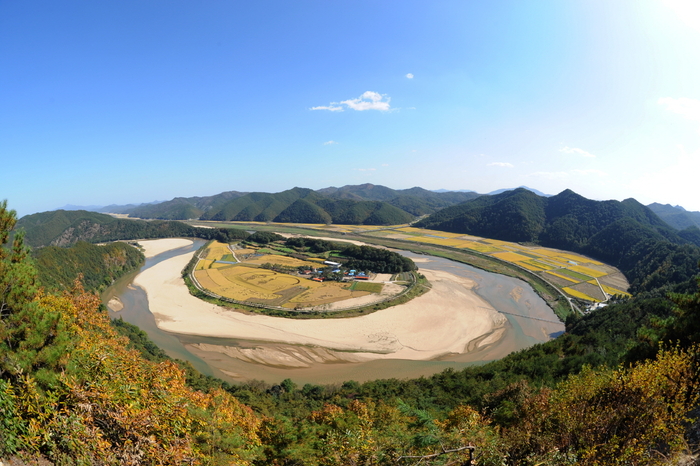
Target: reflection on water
{"type": "Point", "coordinates": [513, 297]}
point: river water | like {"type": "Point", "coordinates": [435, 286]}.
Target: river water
{"type": "Point", "coordinates": [529, 321]}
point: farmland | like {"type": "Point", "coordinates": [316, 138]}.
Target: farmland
{"type": "Point", "coordinates": [575, 275]}
{"type": "Point", "coordinates": [578, 276]}
{"type": "Point", "coordinates": [262, 276]}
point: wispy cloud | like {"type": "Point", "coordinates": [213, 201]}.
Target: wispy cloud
{"type": "Point", "coordinates": [576, 150]}
{"type": "Point", "coordinates": [331, 108]}
{"type": "Point", "coordinates": [409, 75]}
{"type": "Point", "coordinates": [328, 143]}
{"type": "Point", "coordinates": [367, 101]}
{"type": "Point", "coordinates": [687, 108]}
{"type": "Point", "coordinates": [501, 164]}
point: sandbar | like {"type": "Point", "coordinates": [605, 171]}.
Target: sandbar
{"type": "Point", "coordinates": [442, 321]}
{"type": "Point", "coordinates": [153, 247]}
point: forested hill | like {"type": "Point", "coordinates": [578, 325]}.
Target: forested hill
{"type": "Point", "coordinates": [58, 268]}
{"type": "Point", "coordinates": [625, 234]}
{"type": "Point", "coordinates": [353, 204]}
{"type": "Point", "coordinates": [300, 205]}
{"type": "Point", "coordinates": [416, 201]}
{"type": "Point", "coordinates": [65, 228]}
{"type": "Point", "coordinates": [677, 217]}
{"type": "Point", "coordinates": [183, 208]}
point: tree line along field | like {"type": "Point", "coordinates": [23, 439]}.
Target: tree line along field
{"type": "Point", "coordinates": [261, 275]}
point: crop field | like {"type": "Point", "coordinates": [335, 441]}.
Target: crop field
{"type": "Point", "coordinates": [281, 260]}
{"type": "Point", "coordinates": [367, 286]}
{"type": "Point", "coordinates": [248, 282]}
{"type": "Point", "coordinates": [572, 273]}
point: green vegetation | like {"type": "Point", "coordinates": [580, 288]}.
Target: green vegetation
{"type": "Point", "coordinates": [624, 234]}
{"type": "Point", "coordinates": [264, 237]}
{"type": "Point", "coordinates": [677, 217]}
{"type": "Point", "coordinates": [65, 228]}
{"type": "Point", "coordinates": [376, 260]}
{"type": "Point", "coordinates": [301, 205]}
{"type": "Point", "coordinates": [617, 388]}
{"type": "Point", "coordinates": [99, 266]}
{"type": "Point", "coordinates": [367, 286]}
{"type": "Point", "coordinates": [71, 391]}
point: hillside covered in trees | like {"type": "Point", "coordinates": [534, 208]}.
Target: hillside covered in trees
{"type": "Point", "coordinates": [353, 204]}
{"type": "Point", "coordinates": [72, 390]}
{"type": "Point", "coordinates": [677, 216]}
{"type": "Point", "coordinates": [99, 266]}
{"type": "Point", "coordinates": [65, 228]}
{"type": "Point", "coordinates": [624, 234]}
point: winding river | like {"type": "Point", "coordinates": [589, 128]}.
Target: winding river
{"type": "Point", "coordinates": [529, 321]}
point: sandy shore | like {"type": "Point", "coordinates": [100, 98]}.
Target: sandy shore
{"type": "Point", "coordinates": [444, 320]}
{"type": "Point", "coordinates": [153, 247]}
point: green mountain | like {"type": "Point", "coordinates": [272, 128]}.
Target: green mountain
{"type": "Point", "coordinates": [258, 207]}
{"type": "Point", "coordinates": [566, 220]}
{"type": "Point", "coordinates": [183, 208]}
{"type": "Point", "coordinates": [416, 201]}
{"type": "Point", "coordinates": [304, 211]}
{"type": "Point", "coordinates": [266, 207]}
{"type": "Point", "coordinates": [624, 234]}
{"type": "Point", "coordinates": [301, 205]}
{"type": "Point", "coordinates": [677, 217]}
{"type": "Point", "coordinates": [65, 228]}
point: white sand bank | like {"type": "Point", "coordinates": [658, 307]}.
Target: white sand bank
{"type": "Point", "coordinates": [153, 247]}
{"type": "Point", "coordinates": [444, 320]}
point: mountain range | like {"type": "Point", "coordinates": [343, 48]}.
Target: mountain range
{"type": "Point", "coordinates": [359, 204]}
{"type": "Point", "coordinates": [625, 234]}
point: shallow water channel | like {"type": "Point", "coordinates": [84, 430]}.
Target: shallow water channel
{"type": "Point", "coordinates": [530, 321]}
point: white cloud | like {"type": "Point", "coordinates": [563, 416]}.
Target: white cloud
{"type": "Point", "coordinates": [501, 164]}
{"type": "Point", "coordinates": [687, 108]}
{"type": "Point", "coordinates": [385, 165]}
{"type": "Point", "coordinates": [328, 143]}
{"type": "Point", "coordinates": [328, 107]}
{"type": "Point", "coordinates": [367, 101]}
{"type": "Point", "coordinates": [577, 151]}
{"type": "Point", "coordinates": [409, 75]}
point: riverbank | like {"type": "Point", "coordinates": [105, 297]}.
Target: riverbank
{"type": "Point", "coordinates": [445, 320]}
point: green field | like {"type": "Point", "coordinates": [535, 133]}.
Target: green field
{"type": "Point", "coordinates": [367, 286]}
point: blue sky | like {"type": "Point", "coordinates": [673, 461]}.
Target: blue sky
{"type": "Point", "coordinates": [135, 101]}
